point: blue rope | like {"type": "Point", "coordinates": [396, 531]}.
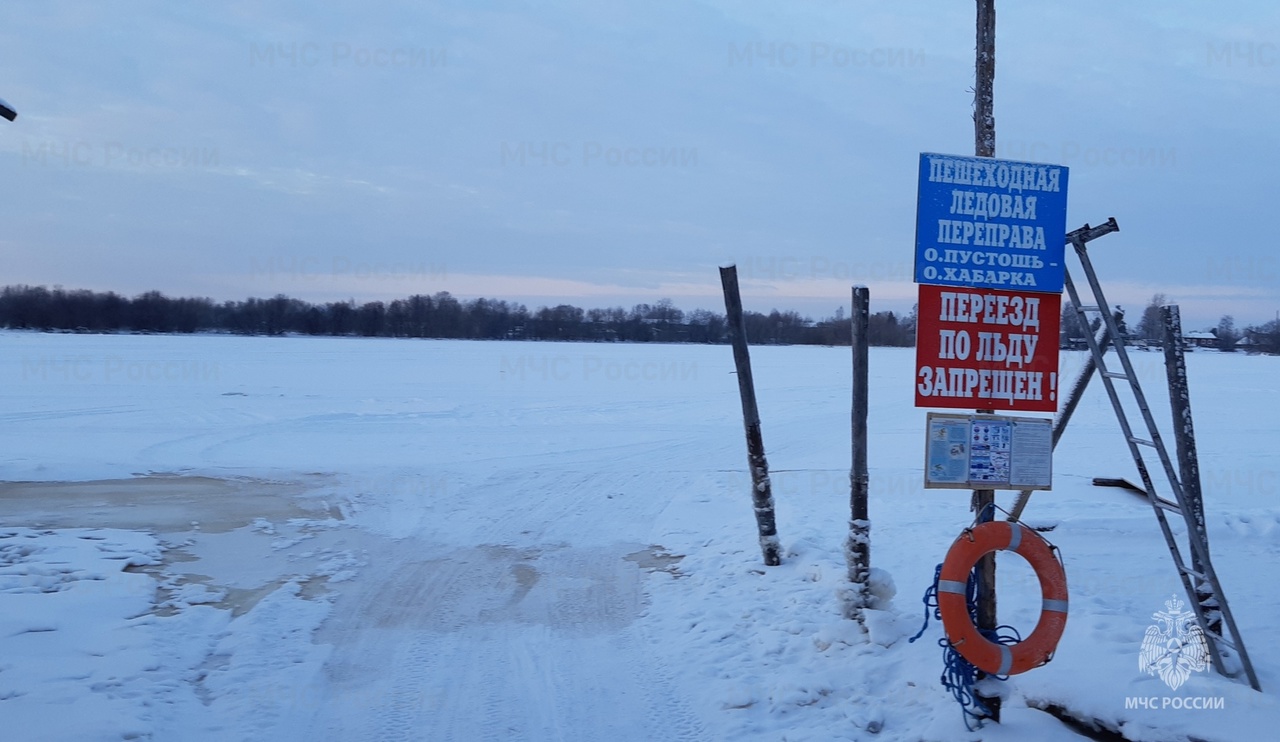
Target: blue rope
{"type": "Point", "coordinates": [930, 601]}
{"type": "Point", "coordinates": [958, 674]}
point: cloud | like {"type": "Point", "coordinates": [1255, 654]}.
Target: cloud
{"type": "Point", "coordinates": [582, 144]}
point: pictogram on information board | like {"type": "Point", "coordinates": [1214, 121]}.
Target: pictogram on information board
{"type": "Point", "coordinates": [988, 452]}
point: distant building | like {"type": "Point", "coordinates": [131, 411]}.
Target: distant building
{"type": "Point", "coordinates": [1256, 341]}
{"type": "Point", "coordinates": [1200, 339]}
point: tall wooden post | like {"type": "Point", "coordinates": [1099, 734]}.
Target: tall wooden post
{"type": "Point", "coordinates": [1184, 433]}
{"type": "Point", "coordinates": [858, 547]}
{"type": "Point", "coordinates": [761, 491]}
{"type": "Point", "coordinates": [984, 117]}
{"type": "Point", "coordinates": [984, 136]}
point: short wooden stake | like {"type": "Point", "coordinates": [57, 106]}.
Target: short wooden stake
{"type": "Point", "coordinates": [761, 490]}
{"type": "Point", "coordinates": [858, 547]}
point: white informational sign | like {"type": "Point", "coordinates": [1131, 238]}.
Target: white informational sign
{"type": "Point", "coordinates": [988, 452]}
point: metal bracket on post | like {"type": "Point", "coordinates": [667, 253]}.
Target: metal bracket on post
{"type": "Point", "coordinates": [1078, 237]}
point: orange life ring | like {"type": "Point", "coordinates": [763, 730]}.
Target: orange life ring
{"type": "Point", "coordinates": [984, 654]}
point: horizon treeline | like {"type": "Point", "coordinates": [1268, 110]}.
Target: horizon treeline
{"type": "Point", "coordinates": [438, 315]}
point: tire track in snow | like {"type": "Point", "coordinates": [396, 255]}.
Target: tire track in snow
{"type": "Point", "coordinates": [399, 718]}
{"type": "Point", "coordinates": [668, 714]}
{"type": "Point", "coordinates": [501, 643]}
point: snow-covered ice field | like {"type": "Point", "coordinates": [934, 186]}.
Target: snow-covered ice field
{"type": "Point", "coordinates": [225, 538]}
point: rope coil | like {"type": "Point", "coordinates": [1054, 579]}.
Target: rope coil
{"type": "Point", "coordinates": [958, 674]}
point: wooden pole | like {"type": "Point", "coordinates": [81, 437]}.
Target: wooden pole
{"type": "Point", "coordinates": [984, 118]}
{"type": "Point", "coordinates": [761, 491]}
{"type": "Point", "coordinates": [1184, 433]}
{"type": "Point", "coordinates": [858, 547]}
{"type": "Point", "coordinates": [984, 137]}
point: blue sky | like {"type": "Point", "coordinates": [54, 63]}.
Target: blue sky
{"type": "Point", "coordinates": [615, 152]}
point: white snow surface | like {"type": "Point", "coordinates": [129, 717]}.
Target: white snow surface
{"type": "Point", "coordinates": [214, 538]}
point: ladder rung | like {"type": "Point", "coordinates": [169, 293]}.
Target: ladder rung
{"type": "Point", "coordinates": [1192, 573]}
{"type": "Point", "coordinates": [1141, 441]}
{"type": "Point", "coordinates": [1164, 504]}
{"type": "Point", "coordinates": [1116, 375]}
{"type": "Point", "coordinates": [1090, 309]}
{"type": "Point", "coordinates": [1223, 640]}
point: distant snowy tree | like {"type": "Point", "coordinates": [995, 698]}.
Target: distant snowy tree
{"type": "Point", "coordinates": [1151, 327]}
{"type": "Point", "coordinates": [1118, 316]}
{"type": "Point", "coordinates": [1070, 329]}
{"type": "Point", "coordinates": [1227, 334]}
